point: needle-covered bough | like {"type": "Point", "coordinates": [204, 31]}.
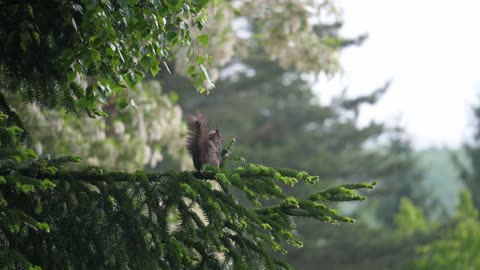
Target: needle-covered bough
{"type": "Point", "coordinates": [55, 218]}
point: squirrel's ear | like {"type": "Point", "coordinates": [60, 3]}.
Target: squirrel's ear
{"type": "Point", "coordinates": [217, 131]}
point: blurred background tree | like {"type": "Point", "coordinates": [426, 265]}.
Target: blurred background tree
{"type": "Point", "coordinates": [470, 168]}
{"type": "Point", "coordinates": [277, 119]}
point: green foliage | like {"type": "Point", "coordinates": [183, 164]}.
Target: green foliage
{"type": "Point", "coordinates": [466, 208]}
{"type": "Point", "coordinates": [46, 47]}
{"type": "Point", "coordinates": [457, 248]}
{"type": "Point", "coordinates": [53, 217]}
{"type": "Point", "coordinates": [410, 219]}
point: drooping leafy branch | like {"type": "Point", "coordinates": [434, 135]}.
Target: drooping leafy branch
{"type": "Point", "coordinates": [47, 46]}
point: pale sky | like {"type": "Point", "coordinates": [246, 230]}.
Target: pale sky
{"type": "Point", "coordinates": [430, 49]}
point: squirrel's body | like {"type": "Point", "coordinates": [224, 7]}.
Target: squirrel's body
{"type": "Point", "coordinates": [204, 146]}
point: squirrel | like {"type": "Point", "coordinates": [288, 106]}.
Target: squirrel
{"type": "Point", "coordinates": [204, 145]}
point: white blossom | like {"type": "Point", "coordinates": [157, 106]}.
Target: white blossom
{"type": "Point", "coordinates": [134, 139]}
{"type": "Point", "coordinates": [118, 127]}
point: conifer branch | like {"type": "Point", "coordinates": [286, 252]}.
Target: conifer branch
{"type": "Point", "coordinates": [163, 220]}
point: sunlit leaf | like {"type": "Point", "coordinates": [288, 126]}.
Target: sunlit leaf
{"type": "Point", "coordinates": [203, 39]}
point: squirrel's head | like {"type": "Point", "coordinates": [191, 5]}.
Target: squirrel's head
{"type": "Point", "coordinates": [215, 135]}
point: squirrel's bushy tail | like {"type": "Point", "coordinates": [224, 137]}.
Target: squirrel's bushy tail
{"type": "Point", "coordinates": [198, 132]}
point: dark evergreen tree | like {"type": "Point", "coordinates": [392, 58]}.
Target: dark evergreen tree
{"type": "Point", "coordinates": [470, 170]}
{"type": "Point", "coordinates": [277, 119]}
